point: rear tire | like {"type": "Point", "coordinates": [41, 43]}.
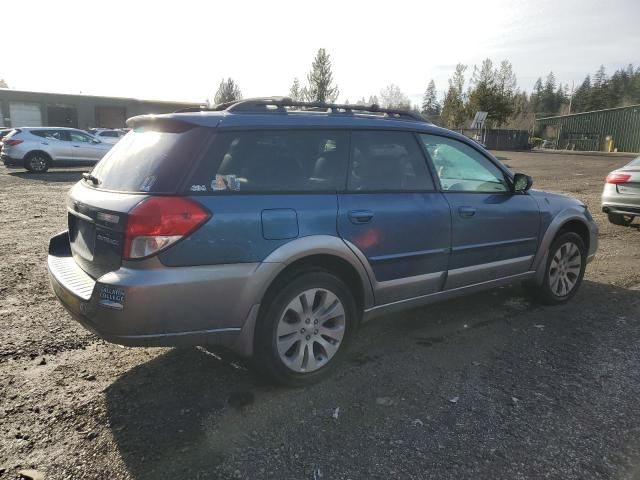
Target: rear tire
{"type": "Point", "coordinates": [619, 219]}
{"type": "Point", "coordinates": [304, 328]}
{"type": "Point", "coordinates": [37, 162]}
{"type": "Point", "coordinates": [564, 270]}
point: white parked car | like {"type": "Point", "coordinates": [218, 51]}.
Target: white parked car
{"type": "Point", "coordinates": [38, 148]}
{"type": "Point", "coordinates": [108, 135]}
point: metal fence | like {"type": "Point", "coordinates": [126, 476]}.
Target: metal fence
{"type": "Point", "coordinates": [497, 139]}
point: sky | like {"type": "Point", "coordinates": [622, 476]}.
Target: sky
{"type": "Point", "coordinates": [181, 50]}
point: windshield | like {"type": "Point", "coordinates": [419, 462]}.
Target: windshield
{"type": "Point", "coordinates": [149, 160]}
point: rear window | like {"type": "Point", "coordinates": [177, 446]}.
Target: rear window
{"type": "Point", "coordinates": [634, 163]}
{"type": "Point", "coordinates": [272, 161]}
{"type": "Point", "coordinates": [150, 160]}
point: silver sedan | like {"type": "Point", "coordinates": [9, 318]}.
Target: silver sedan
{"type": "Point", "coordinates": [621, 195]}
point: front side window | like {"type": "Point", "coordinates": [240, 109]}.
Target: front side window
{"type": "Point", "coordinates": [79, 137]}
{"type": "Point", "coordinates": [273, 161]}
{"type": "Point", "coordinates": [461, 168]}
{"type": "Point", "coordinates": [384, 161]}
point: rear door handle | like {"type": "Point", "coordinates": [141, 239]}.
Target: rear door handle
{"type": "Point", "coordinates": [466, 212]}
{"type": "Point", "coordinates": [360, 216]}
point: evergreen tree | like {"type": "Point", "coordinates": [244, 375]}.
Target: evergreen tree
{"type": "Point", "coordinates": [373, 100]}
{"type": "Point", "coordinates": [453, 107]}
{"type": "Point", "coordinates": [536, 95]}
{"type": "Point", "coordinates": [320, 80]}
{"type": "Point", "coordinates": [430, 104]}
{"type": "Point", "coordinates": [492, 92]}
{"type": "Point", "coordinates": [548, 103]}
{"type": "Point", "coordinates": [228, 91]}
{"type": "Point", "coordinates": [582, 98]}
{"type": "Point", "coordinates": [295, 92]}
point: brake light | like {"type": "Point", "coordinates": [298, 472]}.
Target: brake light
{"type": "Point", "coordinates": [617, 178]}
{"type": "Point", "coordinates": [158, 222]}
{"type": "Point", "coordinates": [12, 143]}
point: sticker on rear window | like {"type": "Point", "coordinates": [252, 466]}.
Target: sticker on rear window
{"type": "Point", "coordinates": [225, 182]}
{"type": "Point", "coordinates": [147, 183]}
{"type": "Point", "coordinates": [198, 188]}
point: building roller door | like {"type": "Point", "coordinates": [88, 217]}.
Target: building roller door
{"type": "Point", "coordinates": [25, 114]}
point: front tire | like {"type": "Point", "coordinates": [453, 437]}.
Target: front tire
{"type": "Point", "coordinates": [564, 270]}
{"type": "Point", "coordinates": [619, 219]}
{"type": "Point", "coordinates": [37, 162]}
{"type": "Point", "coordinates": [304, 328]}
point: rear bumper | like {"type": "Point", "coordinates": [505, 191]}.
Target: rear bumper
{"type": "Point", "coordinates": [10, 161]}
{"type": "Point", "coordinates": [621, 209]}
{"type": "Point", "coordinates": [167, 306]}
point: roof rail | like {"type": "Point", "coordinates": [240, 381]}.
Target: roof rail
{"type": "Point", "coordinates": [282, 104]}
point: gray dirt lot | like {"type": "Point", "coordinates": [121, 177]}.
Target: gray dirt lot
{"type": "Point", "coordinates": [492, 386]}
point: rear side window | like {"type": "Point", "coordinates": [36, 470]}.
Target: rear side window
{"type": "Point", "coordinates": [151, 160]}
{"type": "Point", "coordinates": [274, 161]}
{"type": "Point", "coordinates": [387, 161]}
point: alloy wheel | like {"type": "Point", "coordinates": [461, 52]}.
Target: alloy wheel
{"type": "Point", "coordinates": [310, 330]}
{"type": "Point", "coordinates": [564, 270]}
{"type": "Point", "coordinates": [38, 163]}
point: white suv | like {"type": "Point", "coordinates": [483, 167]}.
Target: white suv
{"type": "Point", "coordinates": [37, 149]}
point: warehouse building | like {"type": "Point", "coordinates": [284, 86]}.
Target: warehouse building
{"type": "Point", "coordinates": [610, 130]}
{"type": "Point", "coordinates": [35, 109]}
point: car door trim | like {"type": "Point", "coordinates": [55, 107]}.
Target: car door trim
{"type": "Point", "coordinates": [473, 274]}
{"type": "Point", "coordinates": [402, 305]}
{"type": "Point", "coordinates": [502, 243]}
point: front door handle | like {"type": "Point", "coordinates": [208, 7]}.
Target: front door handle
{"type": "Point", "coordinates": [466, 212]}
{"type": "Point", "coordinates": [360, 216]}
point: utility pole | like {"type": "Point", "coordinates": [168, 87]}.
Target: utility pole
{"type": "Point", "coordinates": [573, 83]}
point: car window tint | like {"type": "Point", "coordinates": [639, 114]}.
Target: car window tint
{"type": "Point", "coordinates": [52, 134]}
{"type": "Point", "coordinates": [274, 161]}
{"type": "Point", "coordinates": [462, 168]}
{"type": "Point", "coordinates": [151, 159]}
{"type": "Point", "coordinates": [387, 161]}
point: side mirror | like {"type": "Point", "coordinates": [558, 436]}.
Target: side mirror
{"type": "Point", "coordinates": [95, 141]}
{"type": "Point", "coordinates": [521, 183]}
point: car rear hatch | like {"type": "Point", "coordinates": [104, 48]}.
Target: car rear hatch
{"type": "Point", "coordinates": [150, 161]}
{"type": "Point", "coordinates": [631, 185]}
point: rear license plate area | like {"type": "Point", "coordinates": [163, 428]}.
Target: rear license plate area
{"type": "Point", "coordinates": [82, 236]}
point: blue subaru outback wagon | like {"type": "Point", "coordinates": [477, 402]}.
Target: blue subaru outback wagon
{"type": "Point", "coordinates": [275, 227]}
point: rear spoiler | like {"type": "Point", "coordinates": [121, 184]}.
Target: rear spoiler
{"type": "Point", "coordinates": [160, 123]}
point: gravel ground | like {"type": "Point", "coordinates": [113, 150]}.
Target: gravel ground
{"type": "Point", "coordinates": [490, 387]}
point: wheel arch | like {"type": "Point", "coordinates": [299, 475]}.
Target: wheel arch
{"type": "Point", "coordinates": [326, 252]}
{"type": "Point", "coordinates": [569, 220]}
{"type": "Point", "coordinates": [36, 151]}
{"type": "Point", "coordinates": [319, 251]}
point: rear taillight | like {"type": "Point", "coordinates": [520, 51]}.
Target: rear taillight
{"type": "Point", "coordinates": [12, 143]}
{"type": "Point", "coordinates": [158, 222]}
{"type": "Point", "coordinates": [617, 178]}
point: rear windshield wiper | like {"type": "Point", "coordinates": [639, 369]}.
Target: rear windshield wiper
{"type": "Point", "coordinates": [89, 177]}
